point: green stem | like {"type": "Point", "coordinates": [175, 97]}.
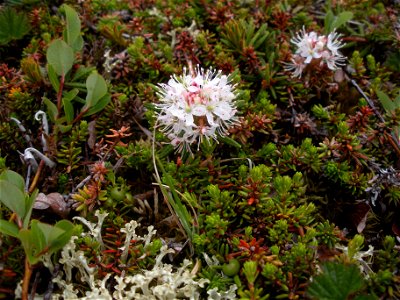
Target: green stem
{"type": "Point", "coordinates": [59, 95]}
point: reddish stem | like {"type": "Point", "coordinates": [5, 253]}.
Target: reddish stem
{"type": "Point", "coordinates": [26, 280]}
{"type": "Point", "coordinates": [78, 117]}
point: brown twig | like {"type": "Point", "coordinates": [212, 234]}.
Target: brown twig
{"type": "Point", "coordinates": [37, 175]}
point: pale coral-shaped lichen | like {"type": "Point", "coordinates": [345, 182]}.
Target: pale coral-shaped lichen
{"type": "Point", "coordinates": [95, 229]}
{"type": "Point", "coordinates": [162, 281]}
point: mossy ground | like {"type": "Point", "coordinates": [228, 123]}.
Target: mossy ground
{"type": "Point", "coordinates": [309, 174]}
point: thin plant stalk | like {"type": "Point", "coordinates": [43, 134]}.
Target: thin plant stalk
{"type": "Point", "coordinates": [26, 280]}
{"type": "Point", "coordinates": [175, 205]}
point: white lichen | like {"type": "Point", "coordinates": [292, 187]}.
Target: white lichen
{"type": "Point", "coordinates": [95, 229]}
{"type": "Point", "coordinates": [70, 258]}
{"type": "Point", "coordinates": [214, 294]}
{"type": "Point", "coordinates": [161, 281]}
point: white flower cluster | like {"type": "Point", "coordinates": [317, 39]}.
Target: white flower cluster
{"type": "Point", "coordinates": [314, 48]}
{"type": "Point", "coordinates": [196, 106]}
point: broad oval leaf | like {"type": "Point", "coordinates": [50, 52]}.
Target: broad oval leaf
{"type": "Point", "coordinates": [14, 178]}
{"type": "Point", "coordinates": [96, 89]}
{"type": "Point", "coordinates": [72, 32]}
{"type": "Point", "coordinates": [12, 197]}
{"type": "Point", "coordinates": [49, 232]}
{"type": "Point", "coordinates": [60, 56]}
{"type": "Point", "coordinates": [99, 105]}
{"type": "Point", "coordinates": [39, 232]}
{"type": "Point", "coordinates": [77, 45]}
{"type": "Point", "coordinates": [30, 244]}
{"type": "Point", "coordinates": [65, 225]}
{"type": "Point", "coordinates": [59, 240]}
{"type": "Point", "coordinates": [55, 82]}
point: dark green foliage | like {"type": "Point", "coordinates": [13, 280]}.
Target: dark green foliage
{"type": "Point", "coordinates": [70, 153]}
{"type": "Point", "coordinates": [37, 238]}
{"type": "Point", "coordinates": [337, 282]}
{"type": "Point", "coordinates": [13, 25]}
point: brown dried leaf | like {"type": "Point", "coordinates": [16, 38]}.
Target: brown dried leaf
{"type": "Point", "coordinates": [396, 229]}
{"type": "Point", "coordinates": [41, 202]}
{"type": "Point", "coordinates": [92, 134]}
{"type": "Point", "coordinates": [54, 202]}
{"type": "Point", "coordinates": [360, 216]}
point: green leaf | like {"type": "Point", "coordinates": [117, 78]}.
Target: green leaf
{"type": "Point", "coordinates": [59, 240]}
{"type": "Point", "coordinates": [49, 232]}
{"type": "Point", "coordinates": [72, 32]}
{"type": "Point", "coordinates": [229, 141]}
{"type": "Point", "coordinates": [176, 203]}
{"type": "Point", "coordinates": [53, 77]}
{"type": "Point", "coordinates": [387, 104]}
{"type": "Point", "coordinates": [12, 197]}
{"type": "Point", "coordinates": [82, 72]}
{"type": "Point", "coordinates": [13, 25]}
{"type": "Point", "coordinates": [60, 56]}
{"type": "Point", "coordinates": [99, 105]}
{"type": "Point", "coordinates": [9, 228]}
{"type": "Point", "coordinates": [28, 242]}
{"type": "Point", "coordinates": [29, 202]}
{"type": "Point", "coordinates": [337, 282]}
{"type": "Point", "coordinates": [70, 96]}
{"type": "Point", "coordinates": [60, 123]}
{"type": "Point", "coordinates": [65, 225]}
{"type": "Point", "coordinates": [67, 105]}
{"type": "Point", "coordinates": [96, 89]}
{"type": "Point", "coordinates": [333, 22]}
{"type": "Point", "coordinates": [328, 21]}
{"type": "Point", "coordinates": [51, 109]}
{"type": "Point", "coordinates": [39, 234]}
{"type": "Point", "coordinates": [397, 101]}
{"type": "Point", "coordinates": [341, 19]}
{"type": "Point", "coordinates": [44, 238]}
{"type": "Point", "coordinates": [366, 297]}
{"type": "Point", "coordinates": [68, 110]}
{"type": "Point", "coordinates": [14, 178]}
